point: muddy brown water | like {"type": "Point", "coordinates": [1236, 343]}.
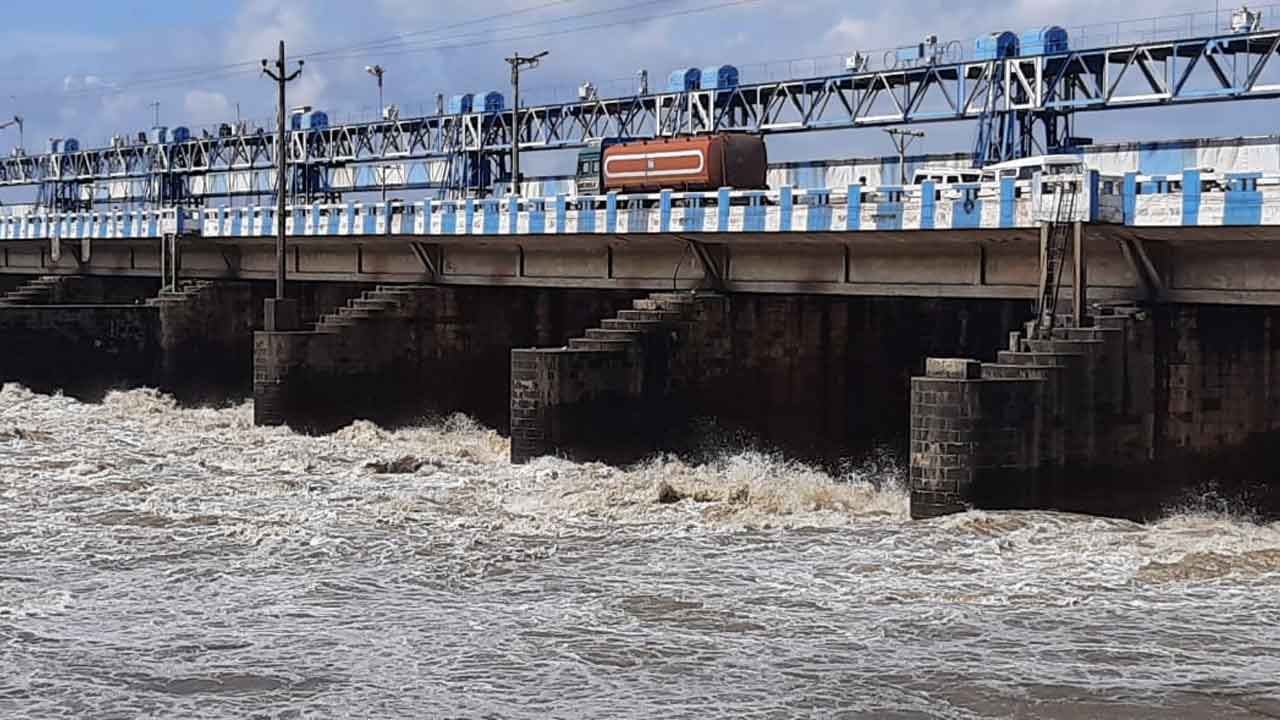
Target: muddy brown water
{"type": "Point", "coordinates": [162, 562]}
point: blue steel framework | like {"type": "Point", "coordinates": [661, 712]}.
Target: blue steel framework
{"type": "Point", "coordinates": [1030, 100]}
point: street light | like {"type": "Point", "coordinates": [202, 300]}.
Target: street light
{"type": "Point", "coordinates": [377, 71]}
{"type": "Point", "coordinates": [281, 313]}
{"type": "Point", "coordinates": [517, 62]}
{"type": "Point", "coordinates": [17, 120]}
{"type": "Point", "coordinates": [902, 140]}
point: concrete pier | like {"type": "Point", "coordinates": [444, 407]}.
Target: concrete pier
{"type": "Point", "coordinates": [401, 353]}
{"type": "Point", "coordinates": [1145, 409]}
{"type": "Point", "coordinates": [85, 335]}
{"type": "Point", "coordinates": [820, 378]}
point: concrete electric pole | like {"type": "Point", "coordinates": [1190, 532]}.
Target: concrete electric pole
{"type": "Point", "coordinates": [281, 314]}
{"type": "Point", "coordinates": [517, 62]}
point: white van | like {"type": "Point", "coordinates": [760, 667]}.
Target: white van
{"type": "Point", "coordinates": [945, 175]}
{"type": "Point", "coordinates": [1026, 168]}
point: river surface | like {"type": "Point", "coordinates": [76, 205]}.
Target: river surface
{"type": "Point", "coordinates": [163, 562]}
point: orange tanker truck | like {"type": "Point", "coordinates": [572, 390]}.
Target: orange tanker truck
{"type": "Point", "coordinates": [697, 163]}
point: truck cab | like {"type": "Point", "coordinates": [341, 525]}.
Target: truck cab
{"type": "Point", "coordinates": [590, 170]}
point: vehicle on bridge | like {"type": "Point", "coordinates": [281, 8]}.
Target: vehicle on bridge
{"type": "Point", "coordinates": [700, 163]}
{"type": "Point", "coordinates": [1028, 168]}
{"type": "Point", "coordinates": [942, 175]}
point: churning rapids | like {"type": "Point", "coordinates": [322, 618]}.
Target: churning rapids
{"type": "Point", "coordinates": [163, 562]}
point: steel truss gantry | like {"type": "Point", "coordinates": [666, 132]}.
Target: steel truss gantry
{"type": "Point", "coordinates": [1034, 95]}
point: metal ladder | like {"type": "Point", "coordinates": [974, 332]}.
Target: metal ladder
{"type": "Point", "coordinates": [1055, 255]}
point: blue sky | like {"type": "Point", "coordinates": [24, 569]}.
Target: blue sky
{"type": "Point", "coordinates": [92, 68]}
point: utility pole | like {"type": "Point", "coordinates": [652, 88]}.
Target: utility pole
{"type": "Point", "coordinates": [281, 314]}
{"type": "Point", "coordinates": [902, 140]}
{"type": "Point", "coordinates": [517, 62]}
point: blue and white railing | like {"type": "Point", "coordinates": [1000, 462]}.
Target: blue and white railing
{"type": "Point", "coordinates": [103, 224]}
{"type": "Point", "coordinates": [1198, 198]}
{"type": "Point", "coordinates": [1008, 203]}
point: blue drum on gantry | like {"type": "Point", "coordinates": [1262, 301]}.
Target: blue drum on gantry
{"type": "Point", "coordinates": [462, 103]}
{"type": "Point", "coordinates": [1046, 40]}
{"type": "Point", "coordinates": [996, 46]}
{"type": "Point", "coordinates": [490, 102]}
{"type": "Point", "coordinates": [719, 77]}
{"type": "Point", "coordinates": [684, 80]}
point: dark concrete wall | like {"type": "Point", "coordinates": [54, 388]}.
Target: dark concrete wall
{"type": "Point", "coordinates": [91, 290]}
{"type": "Point", "coordinates": [9, 283]}
{"type": "Point", "coordinates": [1171, 407]}
{"type": "Point", "coordinates": [79, 289]}
{"type": "Point", "coordinates": [826, 377]}
{"type": "Point", "coordinates": [206, 342]}
{"type": "Point", "coordinates": [98, 335]}
{"type": "Point", "coordinates": [207, 339]}
{"type": "Point", "coordinates": [820, 378]}
{"type": "Point", "coordinates": [82, 350]}
{"type": "Point", "coordinates": [446, 350]}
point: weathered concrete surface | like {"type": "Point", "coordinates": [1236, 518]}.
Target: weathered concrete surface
{"type": "Point", "coordinates": [83, 350]}
{"type": "Point", "coordinates": [819, 377]}
{"type": "Point", "coordinates": [955, 263]}
{"type": "Point", "coordinates": [613, 395]}
{"type": "Point", "coordinates": [79, 290]}
{"type": "Point", "coordinates": [1145, 412]}
{"type": "Point", "coordinates": [196, 343]}
{"type": "Point", "coordinates": [9, 283]}
{"type": "Point", "coordinates": [400, 354]}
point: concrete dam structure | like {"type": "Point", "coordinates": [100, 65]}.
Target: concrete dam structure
{"type": "Point", "coordinates": [972, 350]}
{"type": "Point", "coordinates": [1044, 322]}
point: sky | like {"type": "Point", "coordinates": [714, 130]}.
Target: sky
{"type": "Point", "coordinates": [94, 68]}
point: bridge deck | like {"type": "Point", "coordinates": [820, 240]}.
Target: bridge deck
{"type": "Point", "coordinates": [1223, 265]}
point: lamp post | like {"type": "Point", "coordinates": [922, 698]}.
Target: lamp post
{"type": "Point", "coordinates": [17, 120]}
{"type": "Point", "coordinates": [377, 72]}
{"type": "Point", "coordinates": [902, 140]}
{"type": "Point", "coordinates": [280, 313]}
{"type": "Point", "coordinates": [518, 62]}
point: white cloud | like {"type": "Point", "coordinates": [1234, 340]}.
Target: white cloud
{"type": "Point", "coordinates": [119, 109]}
{"type": "Point", "coordinates": [79, 83]}
{"type": "Point", "coordinates": [849, 34]}
{"type": "Point", "coordinates": [204, 107]}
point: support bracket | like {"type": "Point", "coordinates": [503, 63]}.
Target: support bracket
{"type": "Point", "coordinates": [230, 257]}
{"type": "Point", "coordinates": [710, 267]}
{"type": "Point", "coordinates": [429, 256]}
{"type": "Point", "coordinates": [1153, 279]}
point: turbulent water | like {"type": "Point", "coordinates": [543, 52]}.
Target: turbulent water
{"type": "Point", "coordinates": [161, 562]}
